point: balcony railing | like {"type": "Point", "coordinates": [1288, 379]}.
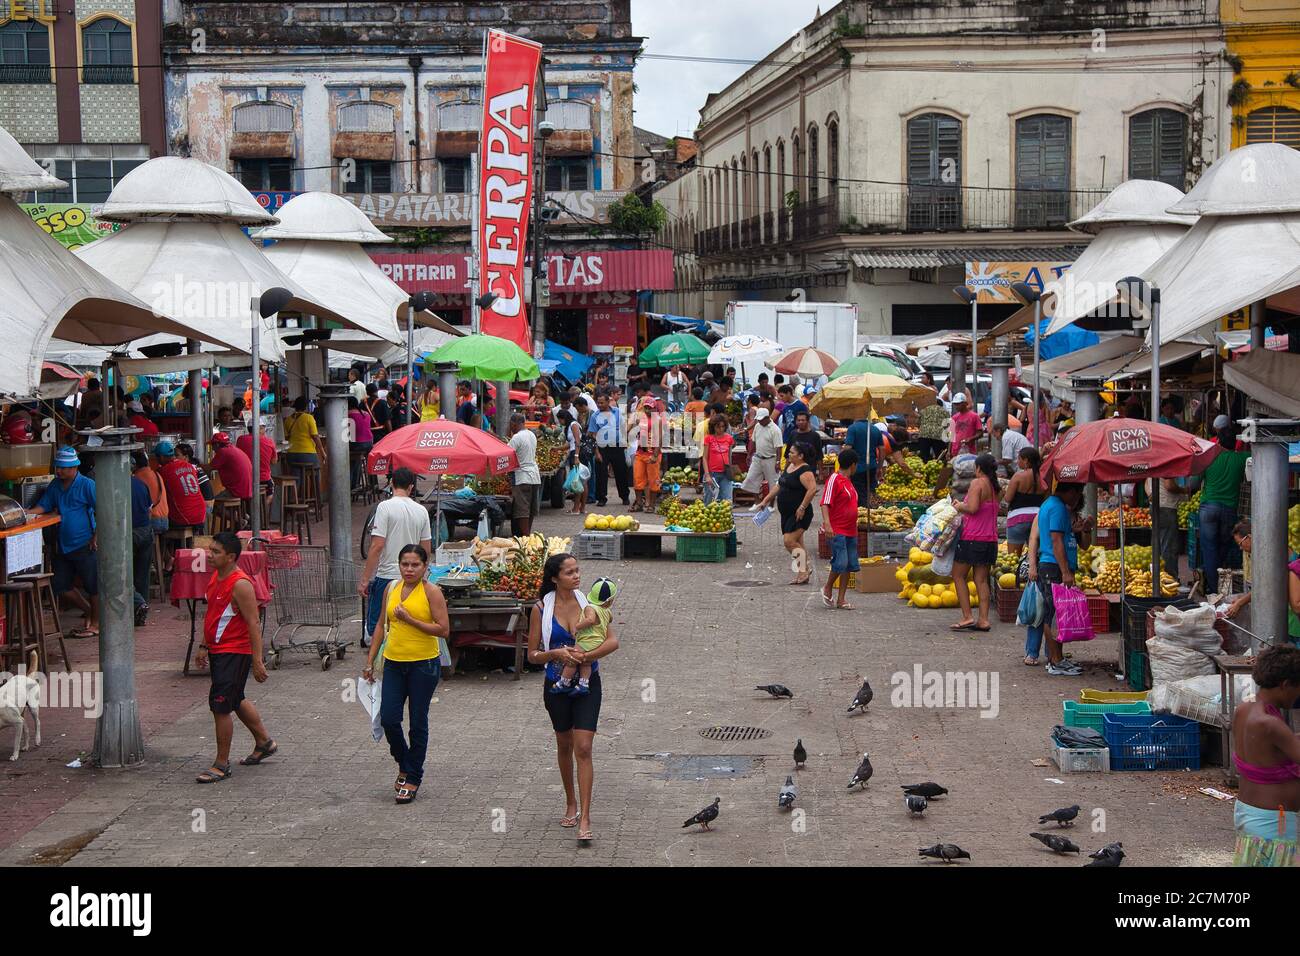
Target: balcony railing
{"type": "Point", "coordinates": [104, 73]}
{"type": "Point", "coordinates": [950, 209]}
{"type": "Point", "coordinates": [24, 73]}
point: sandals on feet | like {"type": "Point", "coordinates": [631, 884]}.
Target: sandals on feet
{"type": "Point", "coordinates": [260, 753]}
{"type": "Point", "coordinates": [569, 822]}
{"type": "Point", "coordinates": [397, 784]}
{"type": "Point", "coordinates": [215, 774]}
{"type": "Point", "coordinates": [1031, 661]}
{"type": "Point", "coordinates": [585, 835]}
{"type": "Point", "coordinates": [844, 607]}
{"type": "Point", "coordinates": [407, 791]}
{"type": "Point", "coordinates": [826, 600]}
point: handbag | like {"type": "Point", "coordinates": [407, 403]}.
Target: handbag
{"type": "Point", "coordinates": [1073, 622]}
{"type": "Point", "coordinates": [1031, 610]}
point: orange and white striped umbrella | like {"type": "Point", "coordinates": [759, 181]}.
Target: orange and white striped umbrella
{"type": "Point", "coordinates": [805, 362]}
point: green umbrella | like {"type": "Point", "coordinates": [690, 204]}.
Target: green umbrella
{"type": "Point", "coordinates": [485, 358]}
{"type": "Point", "coordinates": [679, 348]}
{"type": "Point", "coordinates": [863, 364]}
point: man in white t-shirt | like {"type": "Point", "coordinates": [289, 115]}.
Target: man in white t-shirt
{"type": "Point", "coordinates": [399, 521]}
{"type": "Point", "coordinates": [1013, 442]}
{"type": "Point", "coordinates": [527, 478]}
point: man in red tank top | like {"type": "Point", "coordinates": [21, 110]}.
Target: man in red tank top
{"type": "Point", "coordinates": [233, 639]}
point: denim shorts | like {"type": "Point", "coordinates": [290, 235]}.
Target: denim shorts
{"type": "Point", "coordinates": [1019, 533]}
{"type": "Point", "coordinates": [844, 553]}
{"type": "Point", "coordinates": [68, 566]}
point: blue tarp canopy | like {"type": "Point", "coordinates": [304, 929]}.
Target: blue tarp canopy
{"type": "Point", "coordinates": [693, 325]}
{"type": "Point", "coordinates": [569, 363]}
{"type": "Point", "coordinates": [547, 366]}
{"type": "Point", "coordinates": [1069, 339]}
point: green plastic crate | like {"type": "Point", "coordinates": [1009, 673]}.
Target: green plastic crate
{"type": "Point", "coordinates": [702, 548]}
{"type": "Point", "coordinates": [731, 543]}
{"type": "Point", "coordinates": [1077, 714]}
{"type": "Point", "coordinates": [1136, 670]}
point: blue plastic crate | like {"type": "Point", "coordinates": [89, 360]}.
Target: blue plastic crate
{"type": "Point", "coordinates": [1078, 714]}
{"type": "Point", "coordinates": [1152, 742]}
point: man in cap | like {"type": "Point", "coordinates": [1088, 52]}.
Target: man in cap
{"type": "Point", "coordinates": [235, 469]}
{"type": "Point", "coordinates": [72, 497]}
{"type": "Point", "coordinates": [766, 435]}
{"type": "Point", "coordinates": [140, 420]}
{"type": "Point", "coordinates": [965, 427]}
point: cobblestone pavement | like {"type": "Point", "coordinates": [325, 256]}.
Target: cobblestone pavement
{"type": "Point", "coordinates": [692, 650]}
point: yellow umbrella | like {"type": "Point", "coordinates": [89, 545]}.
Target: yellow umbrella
{"type": "Point", "coordinates": [855, 396]}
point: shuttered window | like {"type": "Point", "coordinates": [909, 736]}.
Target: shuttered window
{"type": "Point", "coordinates": [1157, 147]}
{"type": "Point", "coordinates": [24, 52]}
{"type": "Point", "coordinates": [933, 172]}
{"type": "Point", "coordinates": [1042, 171]}
{"type": "Point", "coordinates": [1274, 124]}
{"type": "Point", "coordinates": [814, 165]}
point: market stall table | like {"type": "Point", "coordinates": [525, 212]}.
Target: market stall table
{"type": "Point", "coordinates": [648, 533]}
{"type": "Point", "coordinates": [1229, 668]}
{"type": "Point", "coordinates": [20, 552]}
{"type": "Point", "coordinates": [192, 575]}
{"type": "Point", "coordinates": [491, 619]}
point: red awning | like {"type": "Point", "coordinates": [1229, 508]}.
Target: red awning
{"type": "Point", "coordinates": [610, 270]}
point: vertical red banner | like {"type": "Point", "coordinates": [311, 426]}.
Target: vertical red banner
{"type": "Point", "coordinates": [510, 70]}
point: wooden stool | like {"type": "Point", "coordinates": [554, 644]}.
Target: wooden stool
{"type": "Point", "coordinates": [310, 489]}
{"type": "Point", "coordinates": [297, 518]}
{"type": "Point", "coordinates": [156, 585]}
{"type": "Point", "coordinates": [46, 600]}
{"type": "Point", "coordinates": [286, 489]}
{"type": "Point", "coordinates": [178, 538]}
{"type": "Point", "coordinates": [22, 631]}
{"type": "Point", "coordinates": [227, 515]}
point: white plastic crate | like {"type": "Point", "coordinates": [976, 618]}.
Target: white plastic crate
{"type": "Point", "coordinates": [1080, 760]}
{"type": "Point", "coordinates": [454, 554]}
{"type": "Point", "coordinates": [598, 546]}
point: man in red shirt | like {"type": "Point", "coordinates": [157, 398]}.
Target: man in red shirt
{"type": "Point", "coordinates": [966, 427]}
{"type": "Point", "coordinates": [233, 466]}
{"type": "Point", "coordinates": [185, 505]}
{"type": "Point", "coordinates": [840, 518]}
{"type": "Point", "coordinates": [267, 458]}
{"type": "Point", "coordinates": [233, 638]}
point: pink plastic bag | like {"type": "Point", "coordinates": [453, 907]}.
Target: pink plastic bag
{"type": "Point", "coordinates": [1073, 623]}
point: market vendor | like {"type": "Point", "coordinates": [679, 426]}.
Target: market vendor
{"type": "Point", "coordinates": [1266, 754]}
{"type": "Point", "coordinates": [72, 497]}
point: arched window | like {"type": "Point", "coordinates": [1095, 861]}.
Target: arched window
{"type": "Point", "coordinates": [106, 55]}
{"type": "Point", "coordinates": [933, 172]}
{"type": "Point", "coordinates": [1157, 147]}
{"type": "Point", "coordinates": [814, 164]}
{"type": "Point", "coordinates": [263, 117]}
{"type": "Point", "coordinates": [796, 173]}
{"type": "Point", "coordinates": [743, 212]}
{"type": "Point", "coordinates": [780, 175]}
{"type": "Point", "coordinates": [1042, 171]}
{"type": "Point", "coordinates": [24, 52]}
{"type": "Point", "coordinates": [833, 155]}
{"type": "Point", "coordinates": [767, 179]}
{"type": "Point", "coordinates": [755, 183]}
{"type": "Point", "coordinates": [365, 117]}
{"type": "Point", "coordinates": [1274, 124]}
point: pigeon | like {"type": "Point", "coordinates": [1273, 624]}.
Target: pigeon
{"type": "Point", "coordinates": [1063, 817]}
{"type": "Point", "coordinates": [944, 851]}
{"type": "Point", "coordinates": [1056, 843]}
{"type": "Point", "coordinates": [862, 774]}
{"type": "Point", "coordinates": [927, 790]}
{"type": "Point", "coordinates": [705, 816]}
{"type": "Point", "coordinates": [1109, 855]}
{"type": "Point", "coordinates": [916, 803]}
{"type": "Point", "coordinates": [776, 690]}
{"type": "Point", "coordinates": [800, 755]}
{"type": "Point", "coordinates": [862, 697]}
{"type": "Point", "coordinates": [785, 799]}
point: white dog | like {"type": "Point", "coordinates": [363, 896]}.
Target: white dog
{"type": "Point", "coordinates": [16, 695]}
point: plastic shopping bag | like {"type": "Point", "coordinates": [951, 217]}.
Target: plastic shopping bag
{"type": "Point", "coordinates": [573, 483]}
{"type": "Point", "coordinates": [370, 693]}
{"type": "Point", "coordinates": [942, 563]}
{"type": "Point", "coordinates": [1073, 623]}
{"type": "Point", "coordinates": [1031, 611]}
{"type": "Point", "coordinates": [484, 526]}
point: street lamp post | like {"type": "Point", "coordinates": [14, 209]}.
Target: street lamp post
{"type": "Point", "coordinates": [1144, 298]}
{"type": "Point", "coordinates": [968, 295]}
{"type": "Point", "coordinates": [1030, 296]}
{"type": "Point", "coordinates": [268, 304]}
{"type": "Point", "coordinates": [419, 302]}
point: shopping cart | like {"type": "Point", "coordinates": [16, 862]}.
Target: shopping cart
{"type": "Point", "coordinates": [314, 598]}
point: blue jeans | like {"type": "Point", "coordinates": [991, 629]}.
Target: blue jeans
{"type": "Point", "coordinates": [722, 492]}
{"type": "Point", "coordinates": [374, 603]}
{"type": "Point", "coordinates": [413, 681]}
{"type": "Point", "coordinates": [1216, 522]}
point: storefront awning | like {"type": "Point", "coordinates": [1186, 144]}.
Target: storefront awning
{"type": "Point", "coordinates": [917, 258]}
{"type": "Point", "coordinates": [610, 270]}
{"type": "Point", "coordinates": [1076, 364]}
{"type": "Point", "coordinates": [1130, 366]}
{"type": "Point", "coordinates": [1269, 378]}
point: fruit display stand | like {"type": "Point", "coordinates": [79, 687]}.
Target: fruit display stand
{"type": "Point", "coordinates": [647, 542]}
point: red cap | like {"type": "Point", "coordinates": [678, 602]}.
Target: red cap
{"type": "Point", "coordinates": [220, 440]}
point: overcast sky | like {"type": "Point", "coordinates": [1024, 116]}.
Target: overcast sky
{"type": "Point", "coordinates": [671, 92]}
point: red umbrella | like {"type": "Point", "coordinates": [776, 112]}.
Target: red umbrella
{"type": "Point", "coordinates": [806, 363]}
{"type": "Point", "coordinates": [1121, 449]}
{"type": "Point", "coordinates": [441, 447]}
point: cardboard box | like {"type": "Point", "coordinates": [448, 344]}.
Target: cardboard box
{"type": "Point", "coordinates": [878, 578]}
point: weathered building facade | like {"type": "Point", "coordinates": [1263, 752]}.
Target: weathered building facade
{"type": "Point", "coordinates": [81, 89]}
{"type": "Point", "coordinates": [890, 146]}
{"type": "Point", "coordinates": [381, 101]}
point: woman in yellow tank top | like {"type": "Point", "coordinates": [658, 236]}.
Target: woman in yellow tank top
{"type": "Point", "coordinates": [429, 404]}
{"type": "Point", "coordinates": [409, 631]}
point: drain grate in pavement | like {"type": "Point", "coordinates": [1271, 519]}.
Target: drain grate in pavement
{"type": "Point", "coordinates": [745, 584]}
{"type": "Point", "coordinates": [735, 733]}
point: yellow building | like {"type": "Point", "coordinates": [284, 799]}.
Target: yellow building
{"type": "Point", "coordinates": [1263, 45]}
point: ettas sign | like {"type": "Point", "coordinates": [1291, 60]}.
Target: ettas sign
{"type": "Point", "coordinates": [506, 181]}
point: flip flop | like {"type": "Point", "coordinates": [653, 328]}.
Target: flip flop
{"type": "Point", "coordinates": [1031, 661]}
{"type": "Point", "coordinates": [826, 600]}
{"type": "Point", "coordinates": [844, 607]}
{"type": "Point", "coordinates": [984, 629]}
{"type": "Point", "coordinates": [963, 627]}
{"type": "Point", "coordinates": [569, 822]}
{"type": "Point", "coordinates": [586, 836]}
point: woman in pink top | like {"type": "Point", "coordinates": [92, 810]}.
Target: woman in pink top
{"type": "Point", "coordinates": [977, 547]}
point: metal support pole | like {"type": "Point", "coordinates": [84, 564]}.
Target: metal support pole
{"type": "Point", "coordinates": [193, 347]}
{"type": "Point", "coordinates": [1000, 397]}
{"type": "Point", "coordinates": [1038, 367]}
{"type": "Point", "coordinates": [334, 399]}
{"type": "Point", "coordinates": [539, 251]}
{"type": "Point", "coordinates": [255, 383]}
{"type": "Point", "coordinates": [118, 740]}
{"type": "Point", "coordinates": [1268, 496]}
{"type": "Point", "coordinates": [957, 374]}
{"type": "Point", "coordinates": [1155, 417]}
{"type": "Point", "coordinates": [502, 422]}
{"type": "Point", "coordinates": [1087, 408]}
{"type": "Point", "coordinates": [410, 363]}
{"type": "Point", "coordinates": [1257, 323]}
{"type": "Point", "coordinates": [447, 389]}
{"type": "Point", "coordinates": [974, 351]}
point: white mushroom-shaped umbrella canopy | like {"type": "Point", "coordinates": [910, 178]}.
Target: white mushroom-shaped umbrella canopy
{"type": "Point", "coordinates": [19, 172]}
{"type": "Point", "coordinates": [324, 217]}
{"type": "Point", "coordinates": [172, 187]}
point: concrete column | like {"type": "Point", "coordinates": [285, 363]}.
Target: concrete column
{"type": "Point", "coordinates": [334, 399]}
{"type": "Point", "coordinates": [957, 373]}
{"type": "Point", "coordinates": [197, 411]}
{"type": "Point", "coordinates": [1000, 369]}
{"type": "Point", "coordinates": [1268, 495]}
{"type": "Point", "coordinates": [1087, 408]}
{"type": "Point", "coordinates": [447, 389]}
{"type": "Point", "coordinates": [118, 740]}
{"type": "Point", "coordinates": [502, 422]}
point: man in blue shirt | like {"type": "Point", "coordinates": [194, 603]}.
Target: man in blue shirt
{"type": "Point", "coordinates": [72, 497]}
{"type": "Point", "coordinates": [1053, 556]}
{"type": "Point", "coordinates": [864, 440]}
{"type": "Point", "coordinates": [141, 542]}
{"type": "Point", "coordinates": [606, 425]}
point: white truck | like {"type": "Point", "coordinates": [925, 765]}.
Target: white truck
{"type": "Point", "coordinates": [829, 326]}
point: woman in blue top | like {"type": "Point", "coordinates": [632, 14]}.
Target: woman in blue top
{"type": "Point", "coordinates": [551, 642]}
{"type": "Point", "coordinates": [1053, 556]}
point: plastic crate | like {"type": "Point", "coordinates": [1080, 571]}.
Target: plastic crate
{"type": "Point", "coordinates": [1082, 759]}
{"type": "Point", "coordinates": [1194, 541]}
{"type": "Point", "coordinates": [1090, 696]}
{"type": "Point", "coordinates": [642, 546]}
{"type": "Point", "coordinates": [731, 544]}
{"type": "Point", "coordinates": [598, 546]}
{"type": "Point", "coordinates": [1137, 670]}
{"type": "Point", "coordinates": [823, 544]}
{"type": "Point", "coordinates": [708, 549]}
{"type": "Point", "coordinates": [917, 508]}
{"type": "Point", "coordinates": [1078, 714]}
{"type": "Point", "coordinates": [1008, 602]}
{"type": "Point", "coordinates": [1152, 742]}
{"type": "Point", "coordinates": [1099, 613]}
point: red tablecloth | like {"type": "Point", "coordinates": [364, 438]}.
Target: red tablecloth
{"type": "Point", "coordinates": [192, 575]}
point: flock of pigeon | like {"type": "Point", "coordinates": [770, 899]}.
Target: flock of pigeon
{"type": "Point", "coordinates": [916, 799]}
